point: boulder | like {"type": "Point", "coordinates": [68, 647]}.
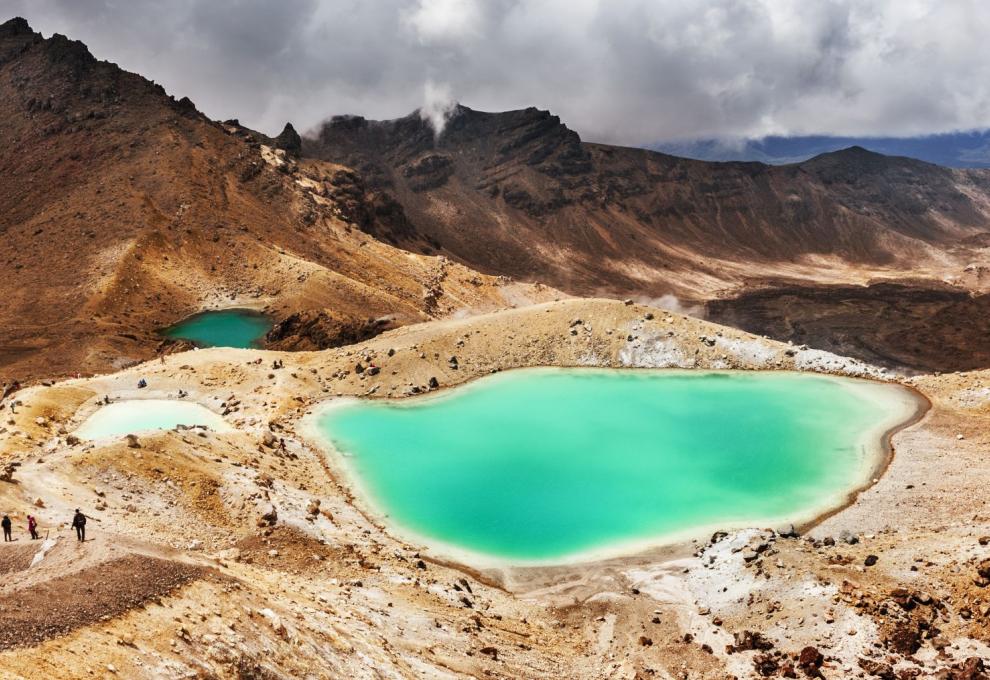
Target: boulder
{"type": "Point", "coordinates": [7, 474]}
{"type": "Point", "coordinates": [810, 660]}
{"type": "Point", "coordinates": [787, 531]}
{"type": "Point", "coordinates": [269, 519]}
{"type": "Point", "coordinates": [765, 665]}
{"type": "Point", "coordinates": [132, 442]}
{"type": "Point", "coordinates": [904, 638]}
{"type": "Point", "coordinates": [747, 640]}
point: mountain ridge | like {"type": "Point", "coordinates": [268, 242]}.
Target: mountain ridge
{"type": "Point", "coordinates": [622, 220]}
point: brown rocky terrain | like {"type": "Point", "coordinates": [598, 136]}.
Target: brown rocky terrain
{"type": "Point", "coordinates": [246, 559]}
{"type": "Point", "coordinates": [123, 210]}
{"type": "Point", "coordinates": [921, 326]}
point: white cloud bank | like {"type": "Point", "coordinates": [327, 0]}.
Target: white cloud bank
{"type": "Point", "coordinates": [627, 71]}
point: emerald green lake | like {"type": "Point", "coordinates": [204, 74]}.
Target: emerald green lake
{"type": "Point", "coordinates": [241, 328]}
{"type": "Point", "coordinates": [548, 464]}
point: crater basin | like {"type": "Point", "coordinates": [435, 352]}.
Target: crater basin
{"type": "Point", "coordinates": [552, 465]}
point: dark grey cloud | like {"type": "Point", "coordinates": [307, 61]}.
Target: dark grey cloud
{"type": "Point", "coordinates": [629, 71]}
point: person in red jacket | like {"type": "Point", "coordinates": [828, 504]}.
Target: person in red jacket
{"type": "Point", "coordinates": [33, 527]}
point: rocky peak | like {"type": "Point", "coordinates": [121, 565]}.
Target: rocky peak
{"type": "Point", "coordinates": [15, 27]}
{"type": "Point", "coordinates": [289, 140]}
{"type": "Point", "coordinates": [15, 37]}
{"type": "Point", "coordinates": [72, 53]}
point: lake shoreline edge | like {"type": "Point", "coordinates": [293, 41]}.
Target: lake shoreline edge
{"type": "Point", "coordinates": [501, 572]}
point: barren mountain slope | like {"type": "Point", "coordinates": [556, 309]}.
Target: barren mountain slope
{"type": "Point", "coordinates": [519, 193]}
{"type": "Point", "coordinates": [123, 210]}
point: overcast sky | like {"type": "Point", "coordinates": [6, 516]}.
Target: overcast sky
{"type": "Point", "coordinates": [624, 71]}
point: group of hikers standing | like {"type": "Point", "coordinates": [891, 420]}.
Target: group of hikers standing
{"type": "Point", "coordinates": [78, 523]}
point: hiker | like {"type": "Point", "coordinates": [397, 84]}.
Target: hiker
{"type": "Point", "coordinates": [6, 529]}
{"type": "Point", "coordinates": [79, 524]}
{"type": "Point", "coordinates": [142, 383]}
{"type": "Point", "coordinates": [33, 527]}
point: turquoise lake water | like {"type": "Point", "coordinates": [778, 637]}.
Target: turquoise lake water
{"type": "Point", "coordinates": [543, 464]}
{"type": "Point", "coordinates": [241, 328]}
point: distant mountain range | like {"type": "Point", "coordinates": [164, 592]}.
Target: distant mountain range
{"type": "Point", "coordinates": [957, 150]}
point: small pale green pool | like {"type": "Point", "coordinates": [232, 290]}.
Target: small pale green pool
{"type": "Point", "coordinates": [141, 415]}
{"type": "Point", "coordinates": [242, 328]}
{"type": "Point", "coordinates": [548, 464]}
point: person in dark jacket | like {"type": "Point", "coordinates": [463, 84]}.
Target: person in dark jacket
{"type": "Point", "coordinates": [5, 522]}
{"type": "Point", "coordinates": [79, 524]}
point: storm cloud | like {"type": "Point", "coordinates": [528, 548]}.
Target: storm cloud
{"type": "Point", "coordinates": [625, 71]}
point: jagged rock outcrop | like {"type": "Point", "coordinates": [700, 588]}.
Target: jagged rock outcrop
{"type": "Point", "coordinates": [289, 140]}
{"type": "Point", "coordinates": [322, 329]}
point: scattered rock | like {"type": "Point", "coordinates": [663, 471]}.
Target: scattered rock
{"type": "Point", "coordinates": [746, 640]}
{"type": "Point", "coordinates": [132, 442]}
{"type": "Point", "coordinates": [269, 518]}
{"type": "Point", "coordinates": [878, 669]}
{"type": "Point", "coordinates": [765, 665]}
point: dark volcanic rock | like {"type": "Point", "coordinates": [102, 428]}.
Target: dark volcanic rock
{"type": "Point", "coordinates": [429, 172]}
{"type": "Point", "coordinates": [322, 329]}
{"type": "Point", "coordinates": [289, 140]}
{"type": "Point", "coordinates": [931, 327]}
{"type": "Point", "coordinates": [746, 640]}
{"type": "Point", "coordinates": [810, 660]}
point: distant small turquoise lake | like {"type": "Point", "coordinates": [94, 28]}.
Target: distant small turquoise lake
{"type": "Point", "coordinates": [545, 465]}
{"type": "Point", "coordinates": [242, 328]}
